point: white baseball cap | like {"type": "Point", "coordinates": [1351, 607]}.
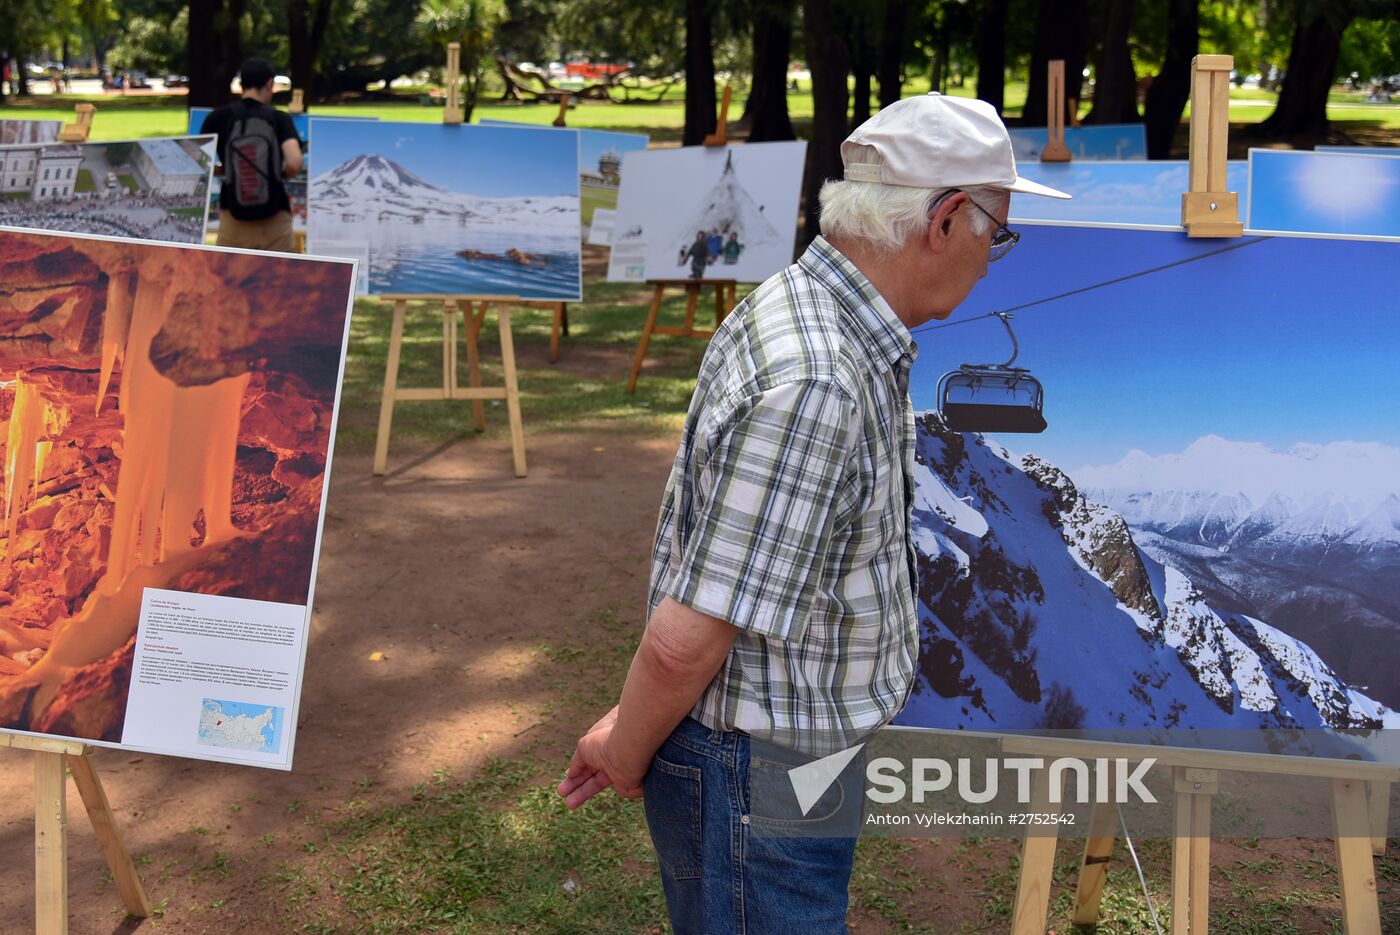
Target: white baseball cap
{"type": "Point", "coordinates": [936, 141]}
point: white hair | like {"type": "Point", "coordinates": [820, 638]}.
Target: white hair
{"type": "Point", "coordinates": [886, 217]}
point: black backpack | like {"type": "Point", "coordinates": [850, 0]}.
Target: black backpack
{"type": "Point", "coordinates": [252, 189]}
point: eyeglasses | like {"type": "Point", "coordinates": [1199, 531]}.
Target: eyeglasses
{"type": "Point", "coordinates": [1003, 240]}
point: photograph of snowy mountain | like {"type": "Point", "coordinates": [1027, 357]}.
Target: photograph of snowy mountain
{"type": "Point", "coordinates": [707, 212]}
{"type": "Point", "coordinates": [449, 210]}
{"type": "Point", "coordinates": [1208, 533]}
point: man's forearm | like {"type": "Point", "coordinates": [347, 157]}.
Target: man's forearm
{"type": "Point", "coordinates": [680, 652]}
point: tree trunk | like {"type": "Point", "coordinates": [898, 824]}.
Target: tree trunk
{"type": "Point", "coordinates": [991, 54]}
{"type": "Point", "coordinates": [1061, 32]}
{"type": "Point", "coordinates": [1171, 89]}
{"type": "Point", "coordinates": [699, 73]}
{"type": "Point", "coordinates": [889, 64]}
{"type": "Point", "coordinates": [1301, 113]}
{"type": "Point", "coordinates": [860, 96]}
{"type": "Point", "coordinates": [304, 35]}
{"type": "Point", "coordinates": [829, 59]}
{"type": "Point", "coordinates": [1115, 91]}
{"type": "Point", "coordinates": [766, 111]}
{"type": "Point", "coordinates": [213, 50]}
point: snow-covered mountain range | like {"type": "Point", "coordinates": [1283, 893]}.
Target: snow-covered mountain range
{"type": "Point", "coordinates": [1039, 609]}
{"type": "Point", "coordinates": [373, 189]}
{"type": "Point", "coordinates": [1232, 495]}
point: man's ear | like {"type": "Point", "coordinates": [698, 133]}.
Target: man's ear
{"type": "Point", "coordinates": [940, 225]}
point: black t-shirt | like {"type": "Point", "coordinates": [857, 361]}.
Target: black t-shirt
{"type": "Point", "coordinates": [221, 121]}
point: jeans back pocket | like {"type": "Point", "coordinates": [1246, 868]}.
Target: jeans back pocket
{"type": "Point", "coordinates": [672, 794]}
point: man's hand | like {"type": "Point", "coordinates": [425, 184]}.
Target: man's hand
{"type": "Point", "coordinates": [593, 769]}
{"type": "Point", "coordinates": [680, 652]}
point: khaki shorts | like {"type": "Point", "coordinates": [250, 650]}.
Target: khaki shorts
{"type": "Point", "coordinates": [274, 233]}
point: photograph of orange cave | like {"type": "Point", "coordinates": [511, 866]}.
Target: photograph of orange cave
{"type": "Point", "coordinates": [166, 416]}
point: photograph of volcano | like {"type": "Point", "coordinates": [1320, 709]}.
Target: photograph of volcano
{"type": "Point", "coordinates": [1208, 533]}
{"type": "Point", "coordinates": [449, 210]}
{"type": "Point", "coordinates": [168, 414]}
{"type": "Point", "coordinates": [707, 212]}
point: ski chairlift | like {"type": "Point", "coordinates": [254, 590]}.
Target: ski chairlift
{"type": "Point", "coordinates": [992, 397]}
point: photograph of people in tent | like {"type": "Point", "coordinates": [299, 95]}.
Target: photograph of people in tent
{"type": "Point", "coordinates": [708, 213]}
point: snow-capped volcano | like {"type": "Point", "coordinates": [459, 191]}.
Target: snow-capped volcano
{"type": "Point", "coordinates": [1038, 609]}
{"type": "Point", "coordinates": [371, 189]}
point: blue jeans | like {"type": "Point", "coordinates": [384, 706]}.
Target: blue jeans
{"type": "Point", "coordinates": [727, 870]}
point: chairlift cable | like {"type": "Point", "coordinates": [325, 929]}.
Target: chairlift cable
{"type": "Point", "coordinates": [1099, 285]}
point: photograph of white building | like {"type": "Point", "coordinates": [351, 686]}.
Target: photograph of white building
{"type": "Point", "coordinates": [152, 189]}
{"type": "Point", "coordinates": [168, 168]}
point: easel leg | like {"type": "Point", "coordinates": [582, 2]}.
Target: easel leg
{"type": "Point", "coordinates": [1191, 850]}
{"type": "Point", "coordinates": [474, 322]}
{"type": "Point", "coordinates": [50, 845]}
{"type": "Point", "coordinates": [1378, 794]}
{"type": "Point", "coordinates": [560, 325]}
{"type": "Point", "coordinates": [1093, 874]}
{"type": "Point", "coordinates": [1037, 865]}
{"type": "Point", "coordinates": [646, 338]}
{"type": "Point", "coordinates": [517, 428]}
{"type": "Point", "coordinates": [719, 304]}
{"type": "Point", "coordinates": [449, 349]}
{"type": "Point", "coordinates": [391, 380]}
{"type": "Point", "coordinates": [1356, 870]}
{"type": "Point", "coordinates": [109, 836]}
{"type": "Point", "coordinates": [692, 299]}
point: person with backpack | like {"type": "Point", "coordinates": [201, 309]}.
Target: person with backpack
{"type": "Point", "coordinates": [258, 148]}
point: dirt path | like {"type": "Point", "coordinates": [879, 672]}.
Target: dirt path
{"type": "Point", "coordinates": [458, 573]}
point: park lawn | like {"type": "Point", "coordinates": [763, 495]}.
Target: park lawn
{"type": "Point", "coordinates": [188, 214]}
{"type": "Point", "coordinates": [128, 182]}
{"type": "Point", "coordinates": [85, 182]}
{"type": "Point", "coordinates": [591, 198]}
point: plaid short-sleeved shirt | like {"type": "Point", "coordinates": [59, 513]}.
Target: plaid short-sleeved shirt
{"type": "Point", "coordinates": [787, 509]}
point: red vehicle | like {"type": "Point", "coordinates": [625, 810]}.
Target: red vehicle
{"type": "Point", "coordinates": [592, 71]}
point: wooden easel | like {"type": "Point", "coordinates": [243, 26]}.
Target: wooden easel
{"type": "Point", "coordinates": [474, 318]}
{"type": "Point", "coordinates": [78, 130]}
{"type": "Point", "coordinates": [298, 104]}
{"type": "Point", "coordinates": [1195, 775]}
{"type": "Point", "coordinates": [1208, 209]}
{"type": "Point", "coordinates": [562, 119]}
{"type": "Point", "coordinates": [721, 135]}
{"type": "Point", "coordinates": [1055, 149]}
{"type": "Point", "coordinates": [452, 106]}
{"type": "Point", "coordinates": [52, 758]}
{"type": "Point", "coordinates": [724, 303]}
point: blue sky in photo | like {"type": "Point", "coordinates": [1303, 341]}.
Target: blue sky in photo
{"type": "Point", "coordinates": [1324, 193]}
{"type": "Point", "coordinates": [591, 143]}
{"type": "Point", "coordinates": [1114, 192]}
{"type": "Point", "coordinates": [1102, 141]}
{"type": "Point", "coordinates": [1289, 340]}
{"type": "Point", "coordinates": [489, 161]}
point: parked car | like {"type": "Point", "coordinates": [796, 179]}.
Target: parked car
{"type": "Point", "coordinates": [137, 79]}
{"type": "Point", "coordinates": [176, 81]}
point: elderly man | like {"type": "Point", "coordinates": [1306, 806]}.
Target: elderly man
{"type": "Point", "coordinates": [782, 586]}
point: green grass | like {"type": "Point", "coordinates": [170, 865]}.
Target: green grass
{"type": "Point", "coordinates": [165, 115]}
{"type": "Point", "coordinates": [596, 198]}
{"type": "Point", "coordinates": [85, 182]}
{"type": "Point", "coordinates": [586, 389]}
{"type": "Point", "coordinates": [128, 182]}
